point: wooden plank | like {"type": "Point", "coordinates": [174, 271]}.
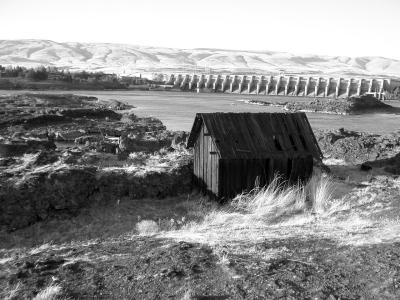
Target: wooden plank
{"type": "Point", "coordinates": [205, 156]}
{"type": "Point", "coordinates": [195, 154]}
{"type": "Point", "coordinates": [294, 133]}
{"type": "Point", "coordinates": [202, 173]}
{"type": "Point", "coordinates": [267, 132]}
{"type": "Point", "coordinates": [214, 171]}
{"type": "Point", "coordinates": [283, 138]}
{"type": "Point", "coordinates": [258, 131]}
{"type": "Point", "coordinates": [289, 168]}
{"type": "Point", "coordinates": [318, 149]}
{"type": "Point", "coordinates": [218, 133]}
{"type": "Point", "coordinates": [236, 135]}
{"type": "Point", "coordinates": [220, 186]}
{"type": "Point", "coordinates": [209, 164]}
{"type": "Point", "coordinates": [305, 132]}
{"type": "Point", "coordinates": [271, 168]}
{"type": "Point", "coordinates": [309, 166]}
{"type": "Point", "coordinates": [249, 131]}
{"type": "Point", "coordinates": [302, 169]}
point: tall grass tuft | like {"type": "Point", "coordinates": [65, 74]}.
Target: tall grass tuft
{"type": "Point", "coordinates": [147, 227]}
{"type": "Point", "coordinates": [319, 191]}
{"type": "Point", "coordinates": [278, 199]}
{"type": "Point", "coordinates": [49, 293]}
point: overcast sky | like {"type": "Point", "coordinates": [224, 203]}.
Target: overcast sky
{"type": "Point", "coordinates": [338, 27]}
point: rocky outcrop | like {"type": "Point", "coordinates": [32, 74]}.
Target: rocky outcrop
{"type": "Point", "coordinates": [353, 105]}
{"type": "Point", "coordinates": [16, 148]}
{"type": "Point", "coordinates": [357, 147]}
{"type": "Point", "coordinates": [91, 163]}
{"type": "Point", "coordinates": [64, 189]}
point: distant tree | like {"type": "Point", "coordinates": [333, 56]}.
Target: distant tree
{"type": "Point", "coordinates": [67, 77]}
{"type": "Point", "coordinates": [37, 74]}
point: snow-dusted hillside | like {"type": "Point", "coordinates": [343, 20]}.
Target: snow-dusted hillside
{"type": "Point", "coordinates": [130, 59]}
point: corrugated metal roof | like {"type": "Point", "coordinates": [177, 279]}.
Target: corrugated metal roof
{"type": "Point", "coordinates": [257, 135]}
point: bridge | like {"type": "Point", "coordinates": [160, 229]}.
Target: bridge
{"type": "Point", "coordinates": [307, 86]}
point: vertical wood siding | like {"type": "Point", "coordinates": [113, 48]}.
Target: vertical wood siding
{"type": "Point", "coordinates": [205, 162]}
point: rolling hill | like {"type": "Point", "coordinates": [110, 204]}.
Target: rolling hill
{"type": "Point", "coordinates": [131, 59]}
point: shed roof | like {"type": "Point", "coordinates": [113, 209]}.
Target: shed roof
{"type": "Point", "coordinates": [257, 135]}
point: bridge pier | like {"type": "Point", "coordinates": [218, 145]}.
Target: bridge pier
{"type": "Point", "coordinates": [193, 82]}
{"type": "Point", "coordinates": [260, 85]}
{"type": "Point", "coordinates": [297, 86]}
{"type": "Point", "coordinates": [216, 83]}
{"type": "Point", "coordinates": [371, 84]}
{"type": "Point", "coordinates": [269, 85]}
{"type": "Point", "coordinates": [348, 88]}
{"type": "Point", "coordinates": [208, 81]}
{"type": "Point", "coordinates": [359, 86]}
{"type": "Point", "coordinates": [287, 85]}
{"type": "Point", "coordinates": [327, 87]}
{"type": "Point", "coordinates": [178, 81]}
{"type": "Point", "coordinates": [225, 83]}
{"type": "Point", "coordinates": [251, 84]}
{"type": "Point", "coordinates": [306, 89]}
{"type": "Point", "coordinates": [200, 82]}
{"type": "Point", "coordinates": [184, 82]}
{"type": "Point", "coordinates": [234, 83]}
{"type": "Point", "coordinates": [278, 83]}
{"type": "Point", "coordinates": [339, 81]}
{"type": "Point", "coordinates": [242, 83]}
{"type": "Point", "coordinates": [317, 85]}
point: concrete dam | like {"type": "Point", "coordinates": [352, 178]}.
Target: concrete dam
{"type": "Point", "coordinates": [286, 85]}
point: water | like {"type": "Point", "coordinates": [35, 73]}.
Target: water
{"type": "Point", "coordinates": [177, 110]}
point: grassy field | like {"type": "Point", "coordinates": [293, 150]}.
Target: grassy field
{"type": "Point", "coordinates": [330, 239]}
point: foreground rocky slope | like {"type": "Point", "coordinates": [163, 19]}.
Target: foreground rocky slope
{"type": "Point", "coordinates": [61, 153]}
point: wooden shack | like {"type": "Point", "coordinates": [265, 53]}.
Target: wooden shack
{"type": "Point", "coordinates": [233, 150]}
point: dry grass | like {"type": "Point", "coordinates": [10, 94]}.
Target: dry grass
{"type": "Point", "coordinates": [49, 293]}
{"type": "Point", "coordinates": [12, 292]}
{"type": "Point", "coordinates": [140, 163]}
{"type": "Point", "coordinates": [315, 211]}
{"type": "Point", "coordinates": [109, 221]}
{"type": "Point", "coordinates": [147, 227]}
{"type": "Point", "coordinates": [277, 199]}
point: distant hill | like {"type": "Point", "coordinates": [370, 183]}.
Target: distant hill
{"type": "Point", "coordinates": [131, 59]}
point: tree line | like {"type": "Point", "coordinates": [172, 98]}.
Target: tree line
{"type": "Point", "coordinates": [53, 73]}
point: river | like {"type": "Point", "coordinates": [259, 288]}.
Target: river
{"type": "Point", "coordinates": [177, 110]}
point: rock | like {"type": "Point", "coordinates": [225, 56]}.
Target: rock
{"type": "Point", "coordinates": [365, 167]}
{"type": "Point", "coordinates": [8, 161]}
{"type": "Point", "coordinates": [179, 140]}
{"type": "Point", "coordinates": [90, 113]}
{"type": "Point", "coordinates": [18, 148]}
{"type": "Point", "coordinates": [46, 157]}
{"type": "Point", "coordinates": [357, 148]}
{"type": "Point", "coordinates": [352, 105]}
{"type": "Point", "coordinates": [117, 105]}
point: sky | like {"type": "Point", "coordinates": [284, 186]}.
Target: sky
{"type": "Point", "coordinates": [337, 28]}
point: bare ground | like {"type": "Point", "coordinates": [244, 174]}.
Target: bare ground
{"type": "Point", "coordinates": [216, 252]}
